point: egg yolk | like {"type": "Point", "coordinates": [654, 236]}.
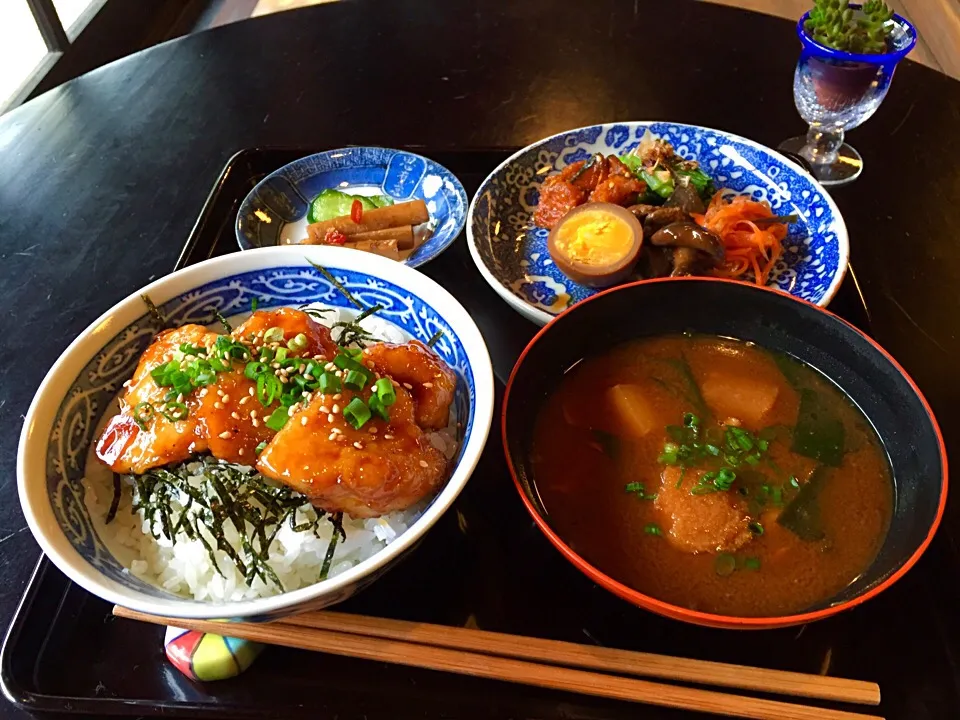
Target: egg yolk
{"type": "Point", "coordinates": [594, 237]}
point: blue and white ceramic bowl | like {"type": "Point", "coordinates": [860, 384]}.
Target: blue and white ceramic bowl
{"type": "Point", "coordinates": [512, 254]}
{"type": "Point", "coordinates": [61, 424]}
{"type": "Point", "coordinates": [275, 211]}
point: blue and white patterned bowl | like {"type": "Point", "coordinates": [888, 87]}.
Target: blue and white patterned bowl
{"type": "Point", "coordinates": [512, 254]}
{"type": "Point", "coordinates": [60, 427]}
{"type": "Point", "coordinates": [275, 211]}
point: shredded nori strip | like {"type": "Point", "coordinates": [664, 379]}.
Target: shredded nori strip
{"type": "Point", "coordinates": [352, 333]}
{"type": "Point", "coordinates": [337, 521]}
{"type": "Point", "coordinates": [256, 508]}
{"type": "Point", "coordinates": [223, 321]}
{"type": "Point", "coordinates": [435, 338]}
{"type": "Point", "coordinates": [336, 283]}
{"type": "Point", "coordinates": [154, 310]}
{"type": "Point", "coordinates": [115, 503]}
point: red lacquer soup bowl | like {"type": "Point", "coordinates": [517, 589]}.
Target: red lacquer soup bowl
{"type": "Point", "coordinates": [773, 320]}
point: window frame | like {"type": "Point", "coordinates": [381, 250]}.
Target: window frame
{"type": "Point", "coordinates": [105, 31]}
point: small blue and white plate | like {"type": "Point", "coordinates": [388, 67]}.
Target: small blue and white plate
{"type": "Point", "coordinates": [275, 211]}
{"type": "Point", "coordinates": [512, 255]}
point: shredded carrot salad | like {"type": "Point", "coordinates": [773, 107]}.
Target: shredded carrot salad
{"type": "Point", "coordinates": [748, 246]}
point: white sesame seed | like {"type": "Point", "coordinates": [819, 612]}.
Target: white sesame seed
{"type": "Point", "coordinates": [428, 384]}
{"type": "Point", "coordinates": [243, 400]}
{"type": "Point", "coordinates": [275, 366]}
{"type": "Point", "coordinates": [358, 445]}
{"type": "Point", "coordinates": [324, 409]}
{"type": "Point", "coordinates": [337, 396]}
{"type": "Point", "coordinates": [303, 420]}
{"type": "Point", "coordinates": [226, 435]}
{"type": "Point", "coordinates": [335, 409]}
{"type": "Point", "coordinates": [336, 431]}
{"type": "Point", "coordinates": [128, 383]}
{"type": "Point", "coordinates": [251, 392]}
{"type": "Point", "coordinates": [256, 423]}
{"type": "Point", "coordinates": [408, 386]}
{"type": "Point", "coordinates": [333, 436]}
{"type": "Point", "coordinates": [331, 417]}
{"type": "Point", "coordinates": [290, 411]}
{"type": "Point", "coordinates": [341, 437]}
{"type": "Point", "coordinates": [373, 430]}
{"type": "Point", "coordinates": [218, 405]}
{"type": "Point", "coordinates": [305, 394]}
{"type": "Point", "coordinates": [387, 436]}
{"type": "Point", "coordinates": [284, 379]}
{"type": "Point", "coordinates": [371, 364]}
{"type": "Point", "coordinates": [240, 451]}
{"type": "Point", "coordinates": [330, 366]}
{"type": "Point", "coordinates": [253, 413]}
{"type": "Point", "coordinates": [234, 416]}
{"type": "Point", "coordinates": [339, 373]}
{"type": "Point", "coordinates": [423, 463]}
{"type": "Point", "coordinates": [226, 398]}
{"type": "Point", "coordinates": [307, 376]}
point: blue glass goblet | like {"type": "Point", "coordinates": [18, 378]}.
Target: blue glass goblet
{"type": "Point", "coordinates": [836, 91]}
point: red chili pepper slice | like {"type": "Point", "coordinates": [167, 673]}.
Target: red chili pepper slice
{"type": "Point", "coordinates": [356, 211]}
{"type": "Point", "coordinates": [334, 237]}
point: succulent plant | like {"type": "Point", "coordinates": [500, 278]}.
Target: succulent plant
{"type": "Point", "coordinates": [835, 24]}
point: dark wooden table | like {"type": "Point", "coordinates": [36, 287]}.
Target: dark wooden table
{"type": "Point", "coordinates": [102, 178]}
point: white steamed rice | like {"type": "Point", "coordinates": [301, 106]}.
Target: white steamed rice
{"type": "Point", "coordinates": [183, 566]}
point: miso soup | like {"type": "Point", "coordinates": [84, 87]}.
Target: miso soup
{"type": "Point", "coordinates": [713, 474]}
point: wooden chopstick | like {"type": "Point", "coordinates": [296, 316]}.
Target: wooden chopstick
{"type": "Point", "coordinates": [556, 652]}
{"type": "Point", "coordinates": [500, 668]}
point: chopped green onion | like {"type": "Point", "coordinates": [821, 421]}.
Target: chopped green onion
{"type": "Point", "coordinates": [345, 362]}
{"type": "Point", "coordinates": [652, 529]}
{"type": "Point", "coordinates": [356, 413]}
{"type": "Point", "coordinates": [690, 420]}
{"type": "Point", "coordinates": [725, 564]}
{"type": "Point", "coordinates": [724, 479]}
{"type": "Point", "coordinates": [297, 343]}
{"type": "Point", "coordinates": [255, 368]}
{"type": "Point", "coordinates": [281, 355]}
{"type": "Point", "coordinates": [266, 354]}
{"type": "Point", "coordinates": [272, 335]}
{"type": "Point", "coordinates": [756, 528]}
{"type": "Point", "coordinates": [329, 383]}
{"type": "Point", "coordinates": [278, 418]}
{"type": "Point", "coordinates": [378, 408]}
{"type": "Point", "coordinates": [143, 413]}
{"type": "Point", "coordinates": [712, 449]}
{"type": "Point", "coordinates": [253, 305]}
{"type": "Point", "coordinates": [434, 338]}
{"type": "Point", "coordinates": [355, 380]}
{"type": "Point", "coordinates": [794, 482]}
{"type": "Point", "coordinates": [638, 489]}
{"type": "Point", "coordinates": [260, 447]}
{"type": "Point", "coordinates": [175, 411]}
{"type": "Point", "coordinates": [751, 563]}
{"type": "Point", "coordinates": [385, 391]}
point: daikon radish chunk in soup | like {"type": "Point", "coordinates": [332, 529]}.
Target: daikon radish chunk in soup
{"type": "Point", "coordinates": [712, 474]}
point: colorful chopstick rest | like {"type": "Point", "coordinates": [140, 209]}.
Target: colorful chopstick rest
{"type": "Point", "coordinates": [206, 657]}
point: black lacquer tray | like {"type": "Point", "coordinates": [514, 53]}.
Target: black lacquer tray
{"type": "Point", "coordinates": [483, 565]}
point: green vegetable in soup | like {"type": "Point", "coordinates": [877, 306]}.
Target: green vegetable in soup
{"type": "Point", "coordinates": [819, 433]}
{"type": "Point", "coordinates": [802, 515]}
{"type": "Point", "coordinates": [333, 203]}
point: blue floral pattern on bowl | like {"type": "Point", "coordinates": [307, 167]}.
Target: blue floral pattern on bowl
{"type": "Point", "coordinates": [277, 206]}
{"type": "Point", "coordinates": [92, 392]}
{"type": "Point", "coordinates": [512, 254]}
